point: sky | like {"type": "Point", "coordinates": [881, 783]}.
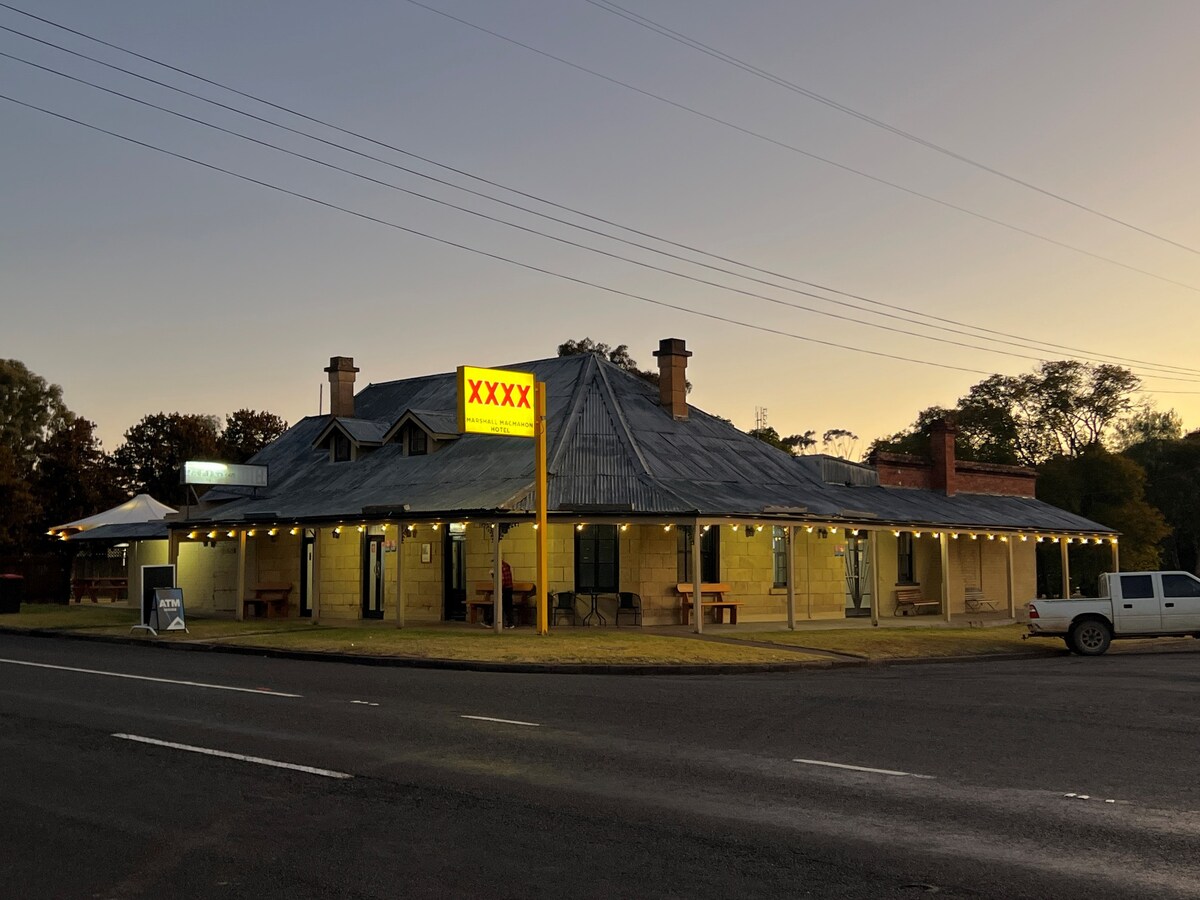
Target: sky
{"type": "Point", "coordinates": [141, 282]}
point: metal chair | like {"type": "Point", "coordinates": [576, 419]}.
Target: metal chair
{"type": "Point", "coordinates": [630, 603]}
{"type": "Point", "coordinates": [564, 605]}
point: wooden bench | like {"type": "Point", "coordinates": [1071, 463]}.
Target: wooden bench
{"type": "Point", "coordinates": [976, 602]}
{"type": "Point", "coordinates": [268, 596]}
{"type": "Point", "coordinates": [114, 588]}
{"type": "Point", "coordinates": [524, 593]}
{"type": "Point", "coordinates": [718, 605]}
{"type": "Point", "coordinates": [910, 601]}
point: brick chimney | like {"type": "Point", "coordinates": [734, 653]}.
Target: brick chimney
{"type": "Point", "coordinates": [341, 386]}
{"type": "Point", "coordinates": [941, 454]}
{"type": "Point", "coordinates": [672, 356]}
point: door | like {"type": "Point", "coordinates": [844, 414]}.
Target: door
{"type": "Point", "coordinates": [372, 576]}
{"type": "Point", "coordinates": [454, 573]}
{"type": "Point", "coordinates": [307, 543]}
{"type": "Point", "coordinates": [1180, 601]}
{"type": "Point", "coordinates": [1137, 609]}
{"type": "Point", "coordinates": [858, 576]}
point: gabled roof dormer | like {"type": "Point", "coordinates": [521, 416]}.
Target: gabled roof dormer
{"type": "Point", "coordinates": [423, 431]}
{"type": "Point", "coordinates": [349, 439]}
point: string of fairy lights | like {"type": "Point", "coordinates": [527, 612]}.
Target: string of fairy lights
{"type": "Point", "coordinates": [750, 529]}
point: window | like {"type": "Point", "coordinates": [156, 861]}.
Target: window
{"type": "Point", "coordinates": [341, 447]}
{"type": "Point", "coordinates": [779, 555]}
{"type": "Point", "coordinates": [418, 441]}
{"type": "Point", "coordinates": [710, 554]}
{"type": "Point", "coordinates": [906, 571]}
{"type": "Point", "coordinates": [1137, 587]}
{"type": "Point", "coordinates": [1180, 586]}
{"type": "Point", "coordinates": [597, 566]}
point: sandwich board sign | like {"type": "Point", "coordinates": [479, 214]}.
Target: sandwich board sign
{"type": "Point", "coordinates": [168, 610]}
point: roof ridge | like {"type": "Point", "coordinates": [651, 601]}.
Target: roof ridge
{"type": "Point", "coordinates": [618, 413]}
{"type": "Point", "coordinates": [571, 419]}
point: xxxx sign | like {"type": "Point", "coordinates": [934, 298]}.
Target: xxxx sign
{"type": "Point", "coordinates": [495, 401]}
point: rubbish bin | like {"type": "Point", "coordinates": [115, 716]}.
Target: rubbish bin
{"type": "Point", "coordinates": [12, 592]}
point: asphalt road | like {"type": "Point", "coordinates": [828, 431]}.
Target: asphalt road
{"type": "Point", "coordinates": [1037, 778]}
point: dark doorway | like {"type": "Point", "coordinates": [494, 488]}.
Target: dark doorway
{"type": "Point", "coordinates": [307, 548]}
{"type": "Point", "coordinates": [454, 573]}
{"type": "Point", "coordinates": [372, 576]}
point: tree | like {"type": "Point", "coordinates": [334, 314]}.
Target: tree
{"type": "Point", "coordinates": [1060, 409]}
{"type": "Point", "coordinates": [74, 477]}
{"type": "Point", "coordinates": [29, 409]}
{"type": "Point", "coordinates": [1147, 424]}
{"type": "Point", "coordinates": [1109, 488]}
{"type": "Point", "coordinates": [1173, 486]}
{"type": "Point", "coordinates": [247, 431]}
{"type": "Point", "coordinates": [839, 442]}
{"type": "Point", "coordinates": [618, 356]}
{"type": "Point", "coordinates": [156, 448]}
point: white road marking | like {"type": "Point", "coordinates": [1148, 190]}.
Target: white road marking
{"type": "Point", "coordinates": [364, 702]}
{"type": "Point", "coordinates": [200, 684]}
{"type": "Point", "coordinates": [1074, 796]}
{"type": "Point", "coordinates": [207, 751]}
{"type": "Point", "coordinates": [833, 765]}
{"type": "Point", "coordinates": [502, 721]}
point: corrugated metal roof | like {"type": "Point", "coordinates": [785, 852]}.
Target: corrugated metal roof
{"type": "Point", "coordinates": [612, 446]}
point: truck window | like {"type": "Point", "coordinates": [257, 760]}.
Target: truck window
{"type": "Point", "coordinates": [1137, 587]}
{"type": "Point", "coordinates": [1180, 586]}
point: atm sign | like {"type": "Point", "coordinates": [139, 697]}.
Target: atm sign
{"type": "Point", "coordinates": [495, 401]}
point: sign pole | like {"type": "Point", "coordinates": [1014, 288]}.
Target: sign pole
{"type": "Point", "coordinates": [541, 488]}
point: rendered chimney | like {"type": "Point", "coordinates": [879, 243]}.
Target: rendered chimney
{"type": "Point", "coordinates": [341, 386]}
{"type": "Point", "coordinates": [941, 453]}
{"type": "Point", "coordinates": [672, 356]}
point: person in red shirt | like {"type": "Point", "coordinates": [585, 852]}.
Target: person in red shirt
{"type": "Point", "coordinates": [506, 586]}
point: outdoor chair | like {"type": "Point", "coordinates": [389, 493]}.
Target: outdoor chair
{"type": "Point", "coordinates": [630, 604]}
{"type": "Point", "coordinates": [564, 605]}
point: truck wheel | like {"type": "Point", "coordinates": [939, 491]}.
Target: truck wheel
{"type": "Point", "coordinates": [1090, 637]}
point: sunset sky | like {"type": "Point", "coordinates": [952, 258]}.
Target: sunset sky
{"type": "Point", "coordinates": [145, 283]}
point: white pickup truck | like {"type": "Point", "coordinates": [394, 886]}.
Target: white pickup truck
{"type": "Point", "coordinates": [1132, 604]}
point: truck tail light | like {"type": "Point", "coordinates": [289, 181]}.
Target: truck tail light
{"type": "Point", "coordinates": [1033, 613]}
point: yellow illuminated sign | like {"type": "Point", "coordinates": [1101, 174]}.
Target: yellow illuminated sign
{"type": "Point", "coordinates": [495, 401]}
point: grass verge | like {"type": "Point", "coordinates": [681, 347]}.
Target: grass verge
{"type": "Point", "coordinates": [912, 643]}
{"type": "Point", "coordinates": [591, 646]}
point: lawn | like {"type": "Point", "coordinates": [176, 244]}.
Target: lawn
{"type": "Point", "coordinates": [60, 615]}
{"type": "Point", "coordinates": [910, 643]}
{"type": "Point", "coordinates": [596, 646]}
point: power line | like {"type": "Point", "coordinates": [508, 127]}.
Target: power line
{"type": "Point", "coordinates": [724, 57]}
{"type": "Point", "coordinates": [484, 253]}
{"type": "Point", "coordinates": [1025, 342]}
{"type": "Point", "coordinates": [805, 153]}
{"type": "Point", "coordinates": [566, 241]}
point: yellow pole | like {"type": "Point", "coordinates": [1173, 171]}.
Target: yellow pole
{"type": "Point", "coordinates": [1116, 557]}
{"type": "Point", "coordinates": [540, 490]}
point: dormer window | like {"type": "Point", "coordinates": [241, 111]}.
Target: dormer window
{"type": "Point", "coordinates": [418, 441]}
{"type": "Point", "coordinates": [341, 447]}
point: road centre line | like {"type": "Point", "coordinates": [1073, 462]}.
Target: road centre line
{"type": "Point", "coordinates": [502, 721]}
{"type": "Point", "coordinates": [833, 765]}
{"type": "Point", "coordinates": [200, 684]}
{"type": "Point", "coordinates": [224, 754]}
